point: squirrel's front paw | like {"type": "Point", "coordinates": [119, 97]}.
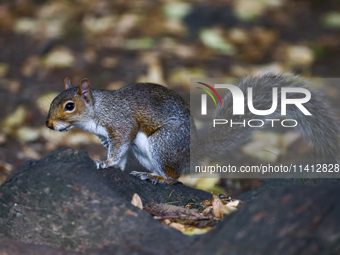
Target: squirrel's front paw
{"type": "Point", "coordinates": [100, 164]}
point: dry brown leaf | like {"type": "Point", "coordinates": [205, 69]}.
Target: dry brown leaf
{"type": "Point", "coordinates": [109, 62]}
{"type": "Point", "coordinates": [59, 58]}
{"type": "Point", "coordinates": [6, 16]}
{"type": "Point", "coordinates": [172, 211]}
{"type": "Point", "coordinates": [6, 167]}
{"type": "Point", "coordinates": [44, 101]}
{"type": "Point", "coordinates": [196, 231]}
{"type": "Point", "coordinates": [28, 153]}
{"type": "Point", "coordinates": [207, 211]}
{"type": "Point", "coordinates": [221, 208]}
{"type": "Point", "coordinates": [3, 69]}
{"type": "Point", "coordinates": [217, 207]}
{"type": "Point", "coordinates": [227, 209]}
{"type": "Point", "coordinates": [177, 226]}
{"type": "Point", "coordinates": [13, 120]}
{"type": "Point", "coordinates": [2, 139]}
{"type": "Point", "coordinates": [30, 66]}
{"type": "Point", "coordinates": [28, 134]}
{"type": "Point", "coordinates": [189, 230]}
{"type": "Point", "coordinates": [137, 201]}
{"type": "Point", "coordinates": [155, 70]}
{"type": "Point", "coordinates": [25, 26]}
{"type": "Point", "coordinates": [99, 25]}
{"type": "Point", "coordinates": [298, 55]}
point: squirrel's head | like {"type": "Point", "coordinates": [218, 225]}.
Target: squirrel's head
{"type": "Point", "coordinates": [70, 107]}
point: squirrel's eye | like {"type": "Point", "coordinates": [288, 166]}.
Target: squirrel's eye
{"type": "Point", "coordinates": [69, 107]}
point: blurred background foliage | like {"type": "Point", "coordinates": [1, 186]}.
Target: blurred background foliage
{"type": "Point", "coordinates": [114, 43]}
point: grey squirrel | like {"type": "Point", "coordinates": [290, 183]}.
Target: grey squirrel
{"type": "Point", "coordinates": [155, 123]}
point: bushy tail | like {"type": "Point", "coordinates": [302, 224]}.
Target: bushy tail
{"type": "Point", "coordinates": [319, 129]}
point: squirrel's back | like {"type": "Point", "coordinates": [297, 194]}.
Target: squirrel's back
{"type": "Point", "coordinates": [151, 105]}
{"type": "Point", "coordinates": [157, 98]}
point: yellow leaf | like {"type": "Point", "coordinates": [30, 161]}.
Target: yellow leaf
{"type": "Point", "coordinates": [13, 120]}
{"type": "Point", "coordinates": [137, 201]}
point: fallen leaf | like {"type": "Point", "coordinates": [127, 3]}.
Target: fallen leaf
{"type": "Point", "coordinates": [177, 226]}
{"type": "Point", "coordinates": [196, 231]}
{"type": "Point", "coordinates": [176, 10]}
{"type": "Point", "coordinates": [220, 209]}
{"type": "Point", "coordinates": [139, 43]}
{"type": "Point", "coordinates": [109, 62]}
{"type": "Point", "coordinates": [207, 211]}
{"type": "Point", "coordinates": [28, 134]}
{"type": "Point", "coordinates": [13, 120]}
{"type": "Point", "coordinates": [44, 101]}
{"type": "Point", "coordinates": [213, 39]}
{"type": "Point", "coordinates": [26, 26]}
{"type": "Point", "coordinates": [6, 167]}
{"type": "Point", "coordinates": [30, 66]}
{"type": "Point", "coordinates": [181, 75]}
{"type": "Point", "coordinates": [299, 55]}
{"type": "Point", "coordinates": [216, 207]}
{"type": "Point", "coordinates": [249, 9]}
{"type": "Point", "coordinates": [332, 20]}
{"type": "Point", "coordinates": [3, 69]}
{"type": "Point", "coordinates": [99, 25]}
{"type": "Point", "coordinates": [28, 153]}
{"type": "Point", "coordinates": [59, 58]}
{"type": "Point", "coordinates": [137, 201]}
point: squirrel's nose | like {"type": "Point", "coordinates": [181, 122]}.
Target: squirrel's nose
{"type": "Point", "coordinates": [49, 124]}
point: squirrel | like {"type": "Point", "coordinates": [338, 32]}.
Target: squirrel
{"type": "Point", "coordinates": [155, 123]}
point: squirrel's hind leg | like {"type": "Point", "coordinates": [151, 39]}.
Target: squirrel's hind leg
{"type": "Point", "coordinates": [153, 178]}
{"type": "Point", "coordinates": [165, 153]}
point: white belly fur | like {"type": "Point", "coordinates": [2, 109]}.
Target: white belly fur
{"type": "Point", "coordinates": [93, 128]}
{"type": "Point", "coordinates": [141, 151]}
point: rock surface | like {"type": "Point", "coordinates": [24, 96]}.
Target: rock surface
{"type": "Point", "coordinates": [63, 201]}
{"type": "Point", "coordinates": [297, 220]}
{"type": "Point", "coordinates": [62, 204]}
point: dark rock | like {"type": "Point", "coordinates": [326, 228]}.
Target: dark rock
{"type": "Point", "coordinates": [288, 220]}
{"type": "Point", "coordinates": [63, 205]}
{"type": "Point", "coordinates": [11, 247]}
{"type": "Point", "coordinates": [63, 201]}
{"type": "Point", "coordinates": [126, 185]}
{"type": "Point", "coordinates": [272, 184]}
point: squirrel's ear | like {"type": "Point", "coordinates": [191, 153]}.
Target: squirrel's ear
{"type": "Point", "coordinates": [84, 90]}
{"type": "Point", "coordinates": [67, 83]}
